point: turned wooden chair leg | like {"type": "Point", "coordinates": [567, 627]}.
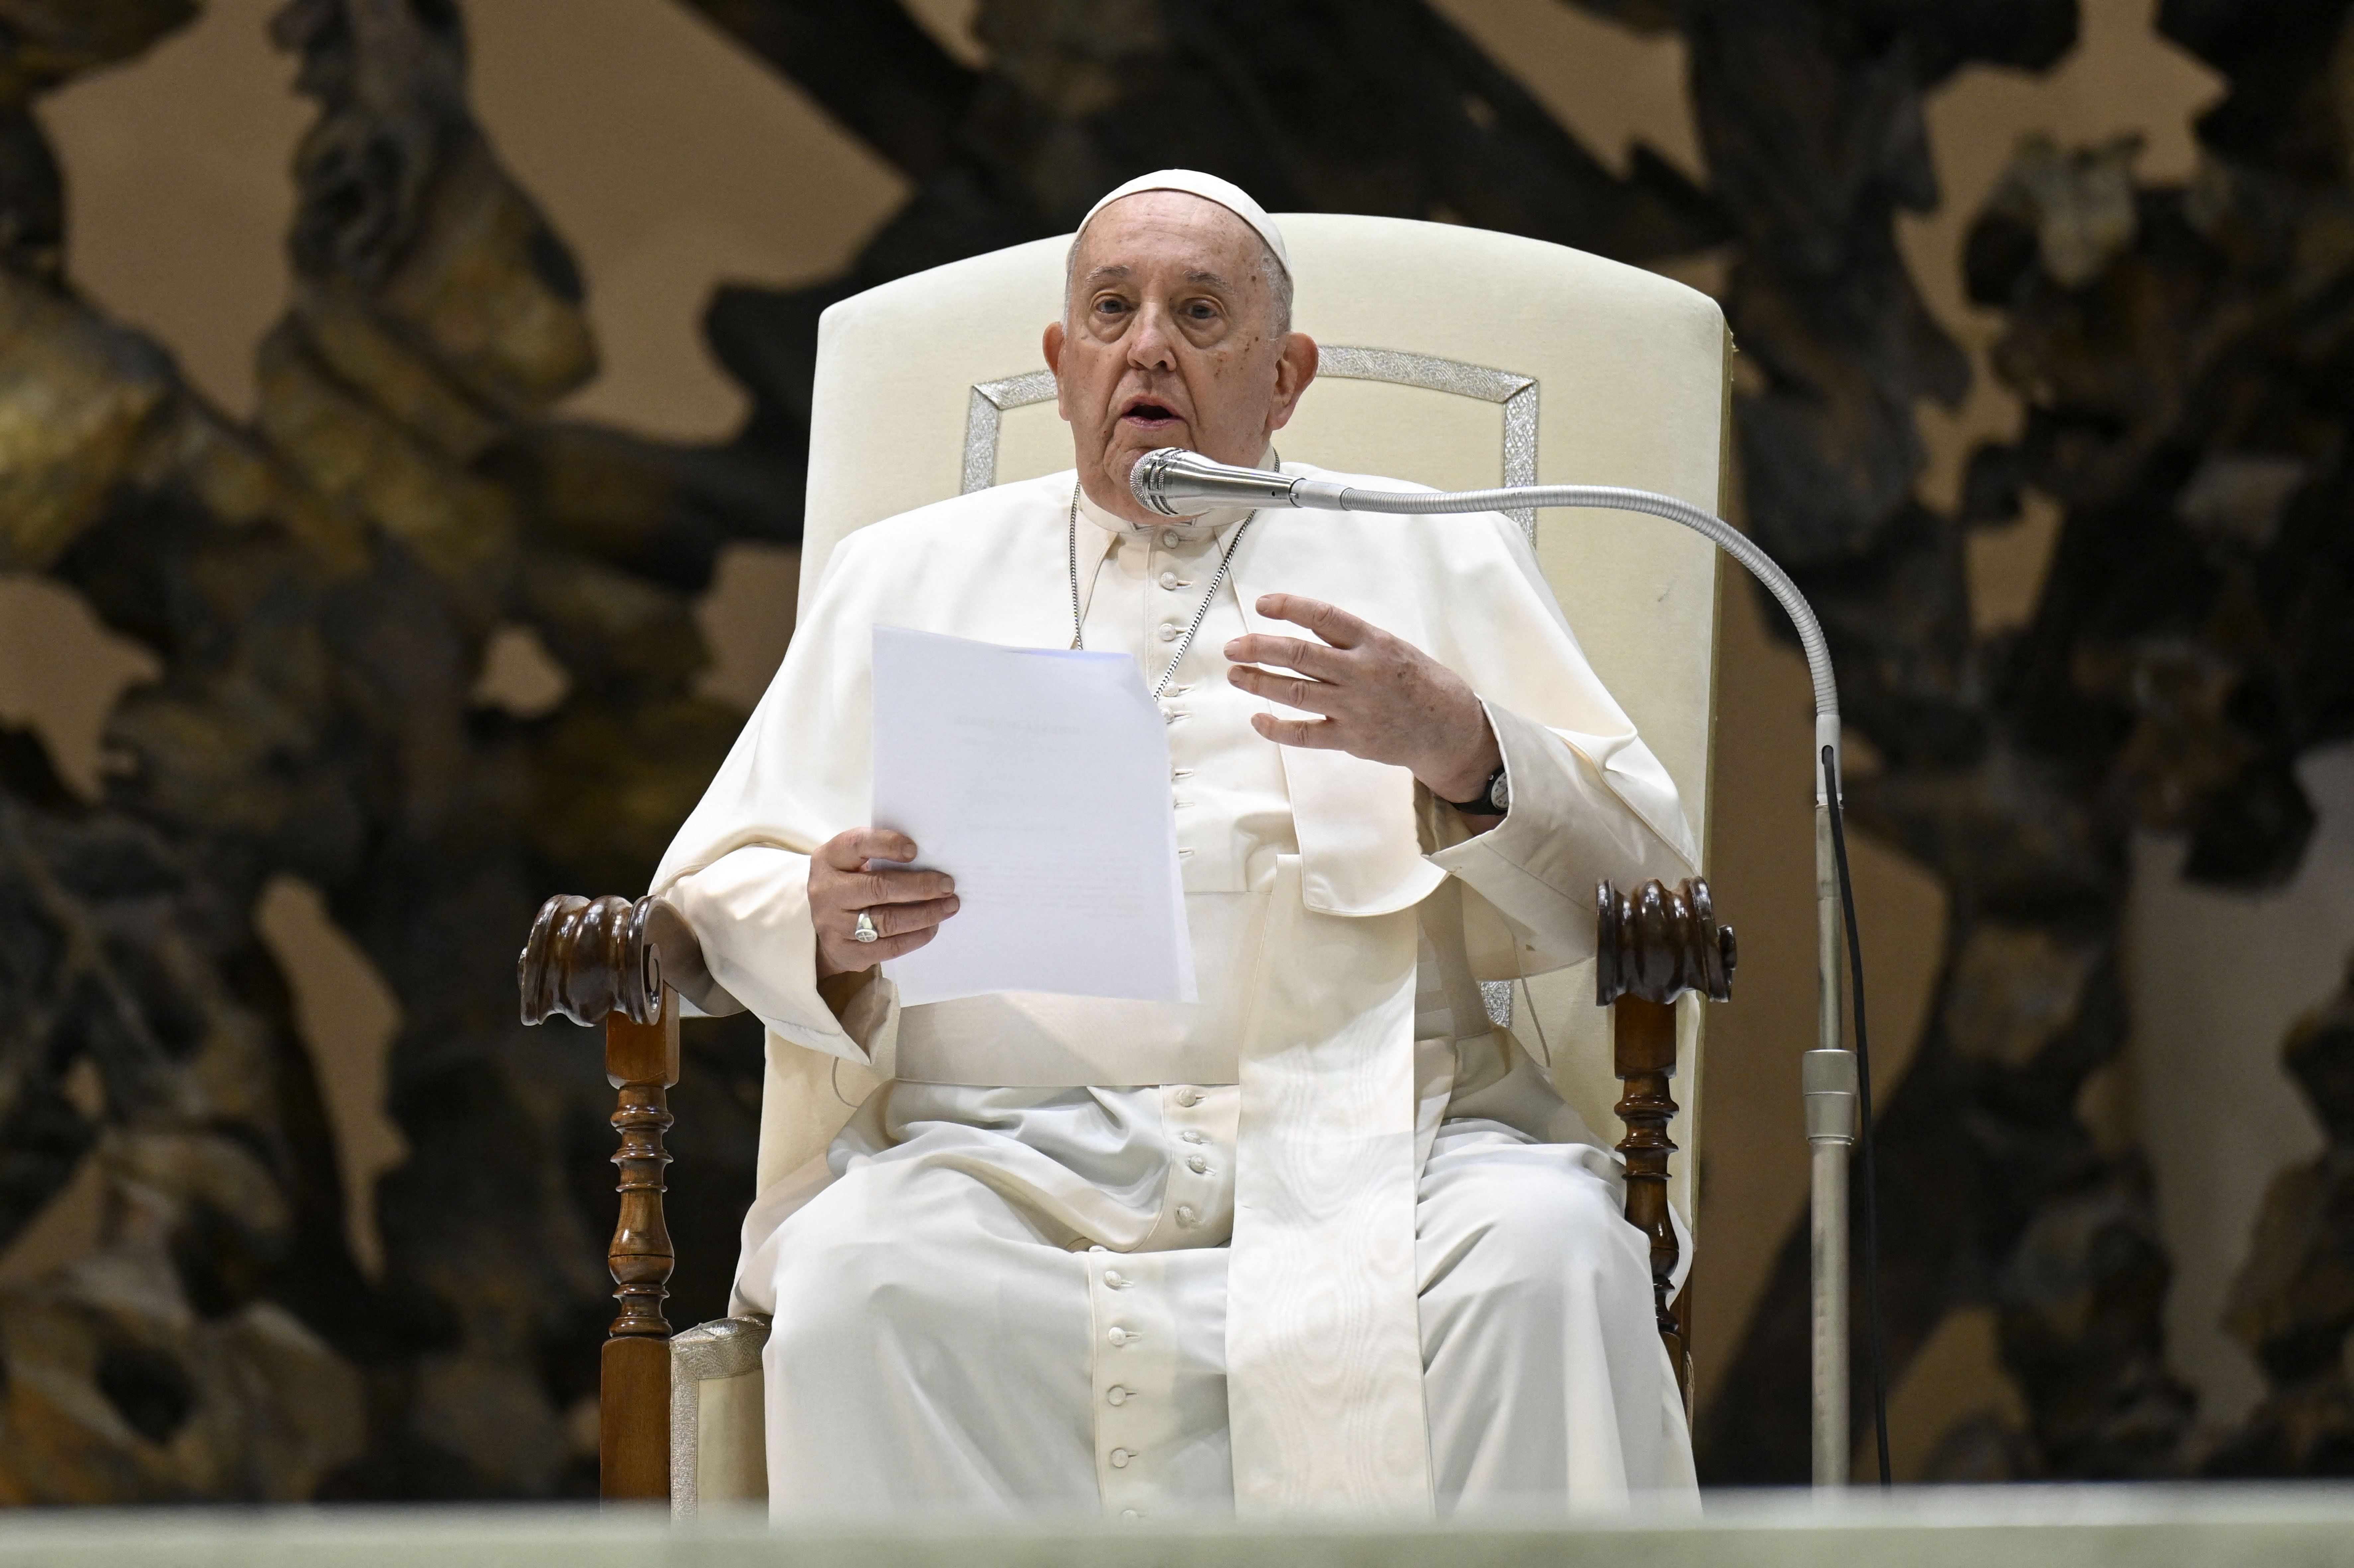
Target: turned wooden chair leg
{"type": "Point", "coordinates": [633, 1393]}
{"type": "Point", "coordinates": [1651, 946]}
{"type": "Point", "coordinates": [1643, 1040]}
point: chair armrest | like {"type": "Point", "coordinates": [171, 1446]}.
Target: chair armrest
{"type": "Point", "coordinates": [590, 957]}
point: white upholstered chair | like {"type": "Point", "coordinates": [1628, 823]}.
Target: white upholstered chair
{"type": "Point", "coordinates": [1452, 358]}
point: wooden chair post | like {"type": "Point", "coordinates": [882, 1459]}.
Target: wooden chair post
{"type": "Point", "coordinates": [634, 1384]}
{"type": "Point", "coordinates": [1643, 1050]}
{"type": "Point", "coordinates": [596, 961]}
{"type": "Point", "coordinates": [1651, 946]}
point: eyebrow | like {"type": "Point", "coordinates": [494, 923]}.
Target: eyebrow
{"type": "Point", "coordinates": [1196, 276]}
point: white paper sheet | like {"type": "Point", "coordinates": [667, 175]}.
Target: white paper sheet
{"type": "Point", "coordinates": [1039, 779]}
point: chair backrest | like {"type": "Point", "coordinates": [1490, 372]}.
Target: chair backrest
{"type": "Point", "coordinates": [1452, 356]}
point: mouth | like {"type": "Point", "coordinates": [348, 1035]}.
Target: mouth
{"type": "Point", "coordinates": [1147, 413]}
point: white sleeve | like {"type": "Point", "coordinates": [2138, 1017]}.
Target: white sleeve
{"type": "Point", "coordinates": [1567, 830]}
{"type": "Point", "coordinates": [749, 910]}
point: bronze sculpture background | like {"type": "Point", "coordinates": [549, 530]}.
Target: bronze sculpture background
{"type": "Point", "coordinates": [320, 586]}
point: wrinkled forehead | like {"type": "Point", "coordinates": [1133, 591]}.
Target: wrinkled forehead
{"type": "Point", "coordinates": [1155, 231]}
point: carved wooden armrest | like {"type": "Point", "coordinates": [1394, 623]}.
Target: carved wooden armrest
{"type": "Point", "coordinates": [590, 957]}
{"type": "Point", "coordinates": [620, 964]}
{"type": "Point", "coordinates": [1650, 947]}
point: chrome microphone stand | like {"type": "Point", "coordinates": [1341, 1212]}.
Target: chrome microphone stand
{"type": "Point", "coordinates": [1180, 484]}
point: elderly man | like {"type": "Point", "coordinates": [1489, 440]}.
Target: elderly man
{"type": "Point", "coordinates": [1325, 1238]}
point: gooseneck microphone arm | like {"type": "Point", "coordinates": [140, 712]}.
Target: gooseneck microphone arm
{"type": "Point", "coordinates": [1175, 483]}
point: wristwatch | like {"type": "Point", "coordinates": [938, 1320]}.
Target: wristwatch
{"type": "Point", "coordinates": [1495, 800]}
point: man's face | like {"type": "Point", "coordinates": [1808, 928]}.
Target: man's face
{"type": "Point", "coordinates": [1168, 341]}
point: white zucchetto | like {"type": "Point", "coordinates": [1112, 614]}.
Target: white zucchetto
{"type": "Point", "coordinates": [1209, 188]}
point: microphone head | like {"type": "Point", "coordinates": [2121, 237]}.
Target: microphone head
{"type": "Point", "coordinates": [1180, 484]}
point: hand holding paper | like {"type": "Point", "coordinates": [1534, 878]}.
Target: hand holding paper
{"type": "Point", "coordinates": [1038, 779]}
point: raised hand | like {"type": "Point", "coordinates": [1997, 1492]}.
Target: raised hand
{"type": "Point", "coordinates": [1381, 698]}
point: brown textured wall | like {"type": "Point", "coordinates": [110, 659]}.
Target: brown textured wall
{"type": "Point", "coordinates": [672, 161]}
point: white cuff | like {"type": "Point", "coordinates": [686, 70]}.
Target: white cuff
{"type": "Point", "coordinates": [1566, 831]}
{"type": "Point", "coordinates": [749, 909]}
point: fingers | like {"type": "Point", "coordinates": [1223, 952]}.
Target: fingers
{"type": "Point", "coordinates": [901, 919]}
{"type": "Point", "coordinates": [1315, 735]}
{"type": "Point", "coordinates": [1289, 653]}
{"type": "Point", "coordinates": [868, 889]}
{"type": "Point", "coordinates": [853, 848]}
{"type": "Point", "coordinates": [1309, 696]}
{"type": "Point", "coordinates": [899, 928]}
{"type": "Point", "coordinates": [893, 947]}
{"type": "Point", "coordinates": [848, 957]}
{"type": "Point", "coordinates": [1333, 624]}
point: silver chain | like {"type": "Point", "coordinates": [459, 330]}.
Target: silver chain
{"type": "Point", "coordinates": [1184, 643]}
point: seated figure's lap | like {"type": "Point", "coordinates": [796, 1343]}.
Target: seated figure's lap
{"type": "Point", "coordinates": [1541, 1362]}
{"type": "Point", "coordinates": [917, 1287]}
{"type": "Point", "coordinates": [929, 1348]}
{"type": "Point", "coordinates": [918, 1245]}
{"type": "Point", "coordinates": [1502, 1222]}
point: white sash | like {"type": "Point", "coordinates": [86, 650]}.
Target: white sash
{"type": "Point", "coordinates": [1323, 1347]}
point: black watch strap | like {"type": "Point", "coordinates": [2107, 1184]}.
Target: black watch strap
{"type": "Point", "coordinates": [1495, 800]}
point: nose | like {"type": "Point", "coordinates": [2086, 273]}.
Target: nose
{"type": "Point", "coordinates": [1150, 344]}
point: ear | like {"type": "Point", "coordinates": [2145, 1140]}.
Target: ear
{"type": "Point", "coordinates": [1052, 347]}
{"type": "Point", "coordinates": [1294, 367]}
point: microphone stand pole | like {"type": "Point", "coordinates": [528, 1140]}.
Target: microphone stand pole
{"type": "Point", "coordinates": [1180, 484]}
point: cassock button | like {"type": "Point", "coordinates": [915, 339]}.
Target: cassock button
{"type": "Point", "coordinates": [1189, 1097]}
{"type": "Point", "coordinates": [1186, 1215]}
{"type": "Point", "coordinates": [1197, 1165]}
{"type": "Point", "coordinates": [1169, 580]}
{"type": "Point", "coordinates": [1194, 1135]}
{"type": "Point", "coordinates": [1130, 1513]}
{"type": "Point", "coordinates": [1115, 1279]}
{"type": "Point", "coordinates": [1170, 631]}
{"type": "Point", "coordinates": [1119, 1458]}
{"type": "Point", "coordinates": [1123, 1336]}
{"type": "Point", "coordinates": [1115, 1395]}
{"type": "Point", "coordinates": [1171, 538]}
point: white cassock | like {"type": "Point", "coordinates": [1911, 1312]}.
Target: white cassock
{"type": "Point", "coordinates": [1324, 1240]}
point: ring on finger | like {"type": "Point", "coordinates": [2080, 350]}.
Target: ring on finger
{"type": "Point", "coordinates": [864, 930]}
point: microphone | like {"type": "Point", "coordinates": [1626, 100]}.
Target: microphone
{"type": "Point", "coordinates": [1180, 484]}
{"type": "Point", "coordinates": [1175, 483]}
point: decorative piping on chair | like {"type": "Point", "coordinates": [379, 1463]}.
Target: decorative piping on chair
{"type": "Point", "coordinates": [729, 1347]}
{"type": "Point", "coordinates": [990, 400]}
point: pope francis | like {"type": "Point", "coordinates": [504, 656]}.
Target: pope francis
{"type": "Point", "coordinates": [1325, 1239]}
